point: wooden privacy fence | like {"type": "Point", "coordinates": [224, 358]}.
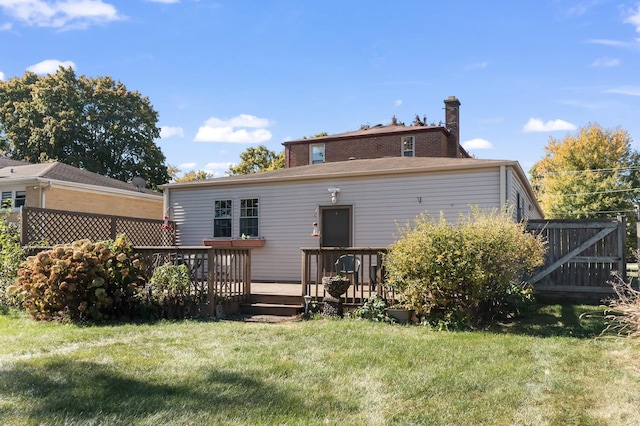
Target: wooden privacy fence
{"type": "Point", "coordinates": [363, 266]}
{"type": "Point", "coordinates": [49, 227]}
{"type": "Point", "coordinates": [580, 257]}
{"type": "Point", "coordinates": [217, 275]}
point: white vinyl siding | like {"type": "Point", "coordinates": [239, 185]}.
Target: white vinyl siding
{"type": "Point", "coordinates": [288, 211]}
{"type": "Point", "coordinates": [516, 187]}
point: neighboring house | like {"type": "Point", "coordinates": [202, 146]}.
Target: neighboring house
{"type": "Point", "coordinates": [59, 186]}
{"type": "Point", "coordinates": [394, 140]}
{"type": "Point", "coordinates": [356, 203]}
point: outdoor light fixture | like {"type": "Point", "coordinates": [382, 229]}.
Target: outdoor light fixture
{"type": "Point", "coordinates": [314, 233]}
{"type": "Point", "coordinates": [307, 300]}
{"type": "Point", "coordinates": [334, 194]}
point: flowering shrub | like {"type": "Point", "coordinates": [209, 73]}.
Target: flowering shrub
{"type": "Point", "coordinates": [81, 281]}
{"type": "Point", "coordinates": [464, 274]}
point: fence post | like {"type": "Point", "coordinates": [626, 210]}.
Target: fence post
{"type": "Point", "coordinates": [247, 276]}
{"type": "Point", "coordinates": [622, 235]}
{"type": "Point", "coordinates": [23, 226]}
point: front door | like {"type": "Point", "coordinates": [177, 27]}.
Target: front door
{"type": "Point", "coordinates": [336, 226]}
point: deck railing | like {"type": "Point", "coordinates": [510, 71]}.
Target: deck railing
{"type": "Point", "coordinates": [216, 274]}
{"type": "Point", "coordinates": [362, 265]}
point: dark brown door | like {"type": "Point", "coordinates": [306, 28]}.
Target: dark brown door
{"type": "Point", "coordinates": [336, 226]}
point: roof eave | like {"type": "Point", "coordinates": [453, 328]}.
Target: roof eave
{"type": "Point", "coordinates": [259, 178]}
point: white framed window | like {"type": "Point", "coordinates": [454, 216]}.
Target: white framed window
{"type": "Point", "coordinates": [20, 199]}
{"type": "Point", "coordinates": [249, 217]}
{"type": "Point", "coordinates": [7, 199]}
{"type": "Point", "coordinates": [13, 199]}
{"type": "Point", "coordinates": [222, 218]}
{"type": "Point", "coordinates": [408, 148]}
{"type": "Point", "coordinates": [316, 152]}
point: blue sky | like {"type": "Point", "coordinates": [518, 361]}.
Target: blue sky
{"type": "Point", "coordinates": [225, 75]}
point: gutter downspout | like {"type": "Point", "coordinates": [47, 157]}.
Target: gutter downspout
{"type": "Point", "coordinates": [165, 201]}
{"type": "Point", "coordinates": [43, 197]}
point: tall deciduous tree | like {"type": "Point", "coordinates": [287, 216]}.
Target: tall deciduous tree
{"type": "Point", "coordinates": [95, 124]}
{"type": "Point", "coordinates": [257, 160]}
{"type": "Point", "coordinates": [589, 174]}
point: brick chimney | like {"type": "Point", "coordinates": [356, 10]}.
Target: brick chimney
{"type": "Point", "coordinates": [452, 123]}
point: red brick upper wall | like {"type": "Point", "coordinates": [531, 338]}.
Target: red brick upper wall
{"type": "Point", "coordinates": [428, 141]}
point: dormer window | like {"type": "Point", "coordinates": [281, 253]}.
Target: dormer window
{"type": "Point", "coordinates": [316, 151]}
{"type": "Point", "coordinates": [408, 146]}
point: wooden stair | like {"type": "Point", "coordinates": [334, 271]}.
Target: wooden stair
{"type": "Point", "coordinates": [273, 304]}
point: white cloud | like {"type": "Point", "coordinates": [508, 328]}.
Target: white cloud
{"type": "Point", "coordinates": [50, 66]}
{"type": "Point", "coordinates": [61, 14]}
{"type": "Point", "coordinates": [612, 43]}
{"type": "Point", "coordinates": [1, 76]}
{"type": "Point", "coordinates": [6, 26]}
{"type": "Point", "coordinates": [625, 90]}
{"type": "Point", "coordinates": [398, 102]}
{"type": "Point", "coordinates": [218, 169]}
{"type": "Point", "coordinates": [235, 130]}
{"type": "Point", "coordinates": [605, 62]}
{"type": "Point", "coordinates": [477, 144]}
{"type": "Point", "coordinates": [634, 19]}
{"type": "Point", "coordinates": [168, 131]}
{"type": "Point", "coordinates": [537, 125]}
{"type": "Point", "coordinates": [188, 166]}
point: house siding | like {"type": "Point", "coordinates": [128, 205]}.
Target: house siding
{"type": "Point", "coordinates": [516, 188]}
{"type": "Point", "coordinates": [288, 210]}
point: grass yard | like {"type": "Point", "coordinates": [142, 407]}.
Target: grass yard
{"type": "Point", "coordinates": [549, 369]}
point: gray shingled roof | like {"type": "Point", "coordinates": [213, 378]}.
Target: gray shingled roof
{"type": "Point", "coordinates": [370, 167]}
{"type": "Point", "coordinates": [375, 130]}
{"type": "Point", "coordinates": [61, 172]}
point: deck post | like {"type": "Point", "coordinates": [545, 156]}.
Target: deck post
{"type": "Point", "coordinates": [211, 283]}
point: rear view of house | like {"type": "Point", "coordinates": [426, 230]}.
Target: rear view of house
{"type": "Point", "coordinates": [356, 203]}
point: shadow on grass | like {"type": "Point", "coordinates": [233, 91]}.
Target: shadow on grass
{"type": "Point", "coordinates": [561, 319]}
{"type": "Point", "coordinates": [86, 392]}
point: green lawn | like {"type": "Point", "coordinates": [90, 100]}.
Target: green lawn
{"type": "Point", "coordinates": [550, 369]}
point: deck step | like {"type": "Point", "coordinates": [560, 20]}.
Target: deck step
{"type": "Point", "coordinates": [271, 309]}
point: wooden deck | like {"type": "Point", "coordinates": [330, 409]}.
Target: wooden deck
{"type": "Point", "coordinates": [280, 289]}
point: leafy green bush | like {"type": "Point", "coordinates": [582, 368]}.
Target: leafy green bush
{"type": "Point", "coordinates": [169, 290]}
{"type": "Point", "coordinates": [11, 256]}
{"type": "Point", "coordinates": [81, 281]}
{"type": "Point", "coordinates": [465, 274]}
{"type": "Point", "coordinates": [373, 309]}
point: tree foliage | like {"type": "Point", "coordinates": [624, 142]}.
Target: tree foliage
{"type": "Point", "coordinates": [589, 174]}
{"type": "Point", "coordinates": [257, 159]}
{"type": "Point", "coordinates": [193, 175]}
{"type": "Point", "coordinates": [95, 124]}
